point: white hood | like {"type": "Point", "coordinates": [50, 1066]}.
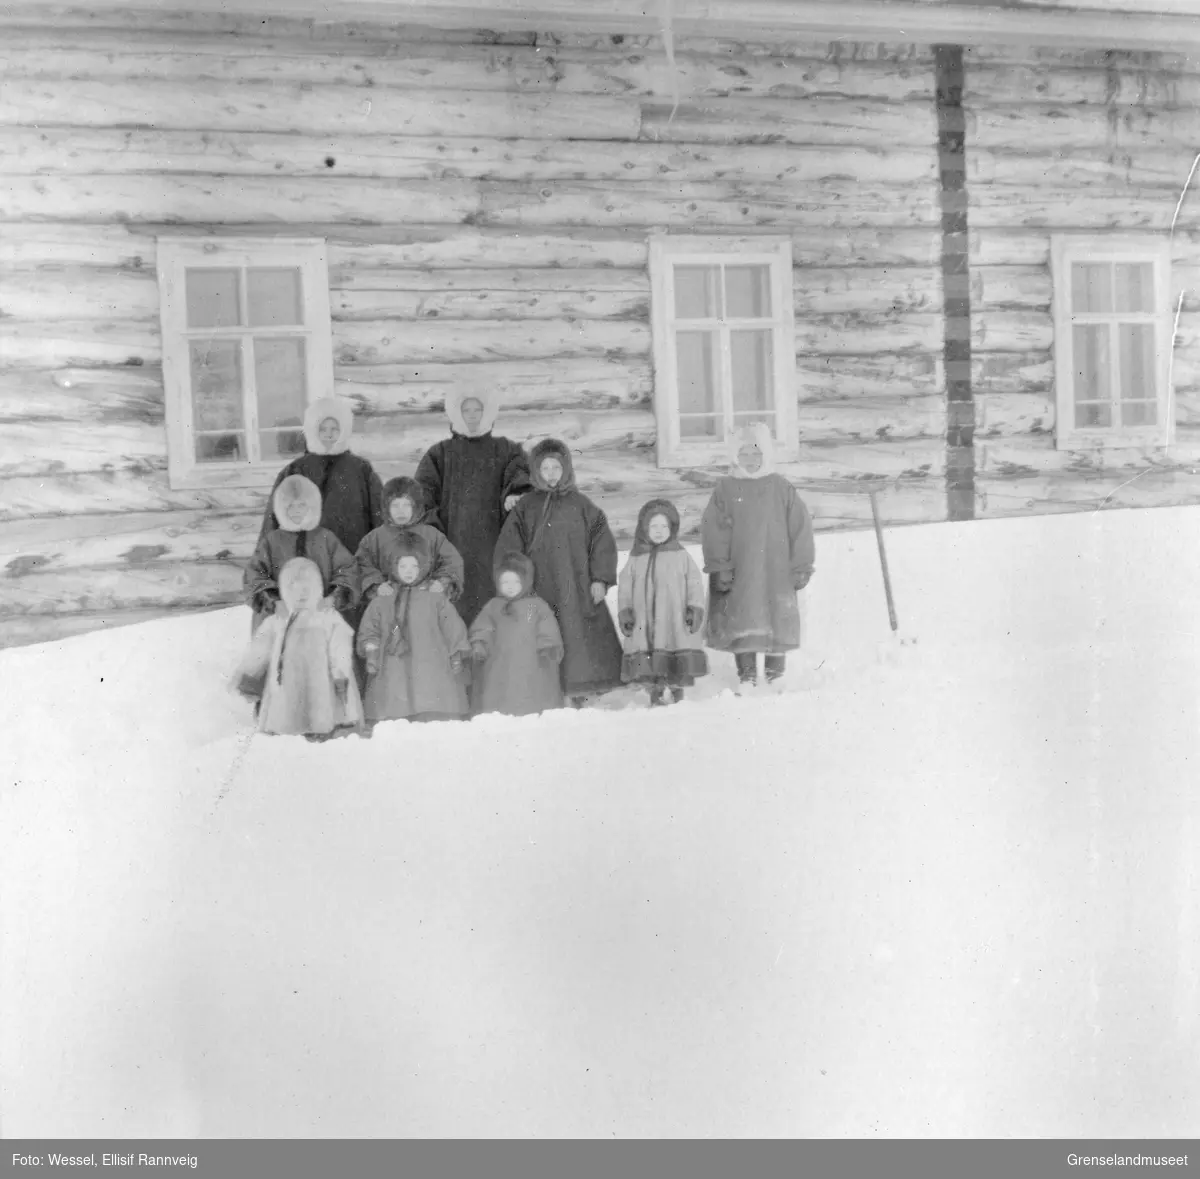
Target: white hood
{"type": "Point", "coordinates": [293, 574]}
{"type": "Point", "coordinates": [491, 407]}
{"type": "Point", "coordinates": [297, 489]}
{"type": "Point", "coordinates": [341, 411]}
{"type": "Point", "coordinates": [759, 434]}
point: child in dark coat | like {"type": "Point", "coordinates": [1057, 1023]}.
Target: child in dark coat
{"type": "Point", "coordinates": [758, 550]}
{"type": "Point", "coordinates": [297, 507]}
{"type": "Point", "coordinates": [299, 666]}
{"type": "Point", "coordinates": [516, 645]}
{"type": "Point", "coordinates": [573, 550]}
{"type": "Point", "coordinates": [414, 644]}
{"type": "Point", "coordinates": [660, 603]}
{"type": "Point", "coordinates": [407, 523]}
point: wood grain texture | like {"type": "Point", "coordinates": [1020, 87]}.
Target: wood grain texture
{"type": "Point", "coordinates": [52, 447]}
{"type": "Point", "coordinates": [79, 343]}
{"type": "Point", "coordinates": [82, 395]}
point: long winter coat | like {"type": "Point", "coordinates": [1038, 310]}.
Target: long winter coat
{"type": "Point", "coordinates": [466, 479]}
{"type": "Point", "coordinates": [351, 492]}
{"type": "Point", "coordinates": [571, 545]}
{"type": "Point", "coordinates": [519, 673]}
{"type": "Point", "coordinates": [377, 554]}
{"type": "Point", "coordinates": [756, 528]}
{"type": "Point", "coordinates": [415, 633]}
{"type": "Point", "coordinates": [306, 539]}
{"type": "Point", "coordinates": [657, 585]}
{"type": "Point", "coordinates": [294, 665]}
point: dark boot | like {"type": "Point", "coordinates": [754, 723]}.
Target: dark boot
{"type": "Point", "coordinates": [676, 695]}
{"type": "Point", "coordinates": [775, 666]}
{"type": "Point", "coordinates": [747, 668]}
{"type": "Point", "coordinates": [656, 696]}
{"type": "Point", "coordinates": [578, 701]}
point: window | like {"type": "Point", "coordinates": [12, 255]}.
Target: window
{"type": "Point", "coordinates": [724, 344]}
{"type": "Point", "coordinates": [246, 346]}
{"type": "Point", "coordinates": [1112, 341]}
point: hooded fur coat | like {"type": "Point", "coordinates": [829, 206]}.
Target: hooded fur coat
{"type": "Point", "coordinates": [519, 674]}
{"type": "Point", "coordinates": [756, 528]}
{"type": "Point", "coordinates": [306, 539]}
{"type": "Point", "coordinates": [658, 583]}
{"type": "Point", "coordinates": [377, 554]}
{"type": "Point", "coordinates": [351, 493]}
{"type": "Point", "coordinates": [294, 665]}
{"type": "Point", "coordinates": [466, 479]}
{"type": "Point", "coordinates": [568, 538]}
{"type": "Point", "coordinates": [415, 633]}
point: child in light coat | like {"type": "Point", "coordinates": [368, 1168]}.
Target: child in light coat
{"type": "Point", "coordinates": [516, 645]}
{"type": "Point", "coordinates": [758, 550]}
{"type": "Point", "coordinates": [299, 664]}
{"type": "Point", "coordinates": [660, 608]}
{"type": "Point", "coordinates": [297, 507]}
{"type": "Point", "coordinates": [414, 644]}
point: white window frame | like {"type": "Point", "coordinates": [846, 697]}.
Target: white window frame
{"type": "Point", "coordinates": [1067, 249]}
{"type": "Point", "coordinates": [175, 257]}
{"type": "Point", "coordinates": [666, 251]}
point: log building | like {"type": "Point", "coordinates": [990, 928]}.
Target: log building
{"type": "Point", "coordinates": [949, 251]}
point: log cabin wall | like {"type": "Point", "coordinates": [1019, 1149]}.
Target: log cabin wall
{"type": "Point", "coordinates": [486, 200]}
{"type": "Point", "coordinates": [1073, 141]}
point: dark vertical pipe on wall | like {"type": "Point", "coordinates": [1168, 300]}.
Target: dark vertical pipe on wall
{"type": "Point", "coordinates": [956, 284]}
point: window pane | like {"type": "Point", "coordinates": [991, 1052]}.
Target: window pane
{"type": "Point", "coordinates": [1139, 413]}
{"type": "Point", "coordinates": [281, 379]}
{"type": "Point", "coordinates": [753, 357]}
{"type": "Point", "coordinates": [216, 369]}
{"type": "Point", "coordinates": [1091, 286]}
{"type": "Point", "coordinates": [697, 292]}
{"type": "Point", "coordinates": [1135, 286]}
{"type": "Point", "coordinates": [1135, 342]}
{"type": "Point", "coordinates": [696, 363]}
{"type": "Point", "coordinates": [213, 300]}
{"type": "Point", "coordinates": [748, 292]}
{"type": "Point", "coordinates": [1096, 413]}
{"type": "Point", "coordinates": [1092, 368]}
{"type": "Point", "coordinates": [700, 426]}
{"type": "Point", "coordinates": [280, 443]}
{"type": "Point", "coordinates": [274, 297]}
{"type": "Point", "coordinates": [219, 448]}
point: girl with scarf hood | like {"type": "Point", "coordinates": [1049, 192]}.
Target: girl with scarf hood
{"type": "Point", "coordinates": [406, 518]}
{"type": "Point", "coordinates": [297, 507]}
{"type": "Point", "coordinates": [471, 481]}
{"type": "Point", "coordinates": [757, 538]}
{"type": "Point", "coordinates": [575, 558]}
{"type": "Point", "coordinates": [299, 664]}
{"type": "Point", "coordinates": [414, 644]}
{"type": "Point", "coordinates": [350, 490]}
{"type": "Point", "coordinates": [516, 645]}
{"type": "Point", "coordinates": [660, 607]}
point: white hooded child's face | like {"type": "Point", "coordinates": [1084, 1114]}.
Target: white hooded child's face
{"type": "Point", "coordinates": [472, 414]}
{"type": "Point", "coordinates": [329, 431]}
{"type": "Point", "coordinates": [658, 530]}
{"type": "Point", "coordinates": [297, 511]}
{"type": "Point", "coordinates": [301, 590]}
{"type": "Point", "coordinates": [750, 458]}
{"type": "Point", "coordinates": [509, 584]}
{"type": "Point", "coordinates": [551, 471]}
{"type": "Point", "coordinates": [408, 569]}
{"type": "Point", "coordinates": [401, 510]}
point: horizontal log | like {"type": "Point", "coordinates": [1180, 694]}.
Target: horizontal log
{"type": "Point", "coordinates": [168, 200]}
{"type": "Point", "coordinates": [846, 290]}
{"type": "Point", "coordinates": [1033, 453]}
{"type": "Point", "coordinates": [1002, 414]}
{"type": "Point", "coordinates": [74, 151]}
{"type": "Point", "coordinates": [865, 333]}
{"type": "Point", "coordinates": [79, 343]}
{"type": "Point", "coordinates": [532, 278]}
{"type": "Point", "coordinates": [524, 68]}
{"type": "Point", "coordinates": [779, 44]}
{"type": "Point", "coordinates": [174, 584]}
{"type": "Point", "coordinates": [82, 395]}
{"type": "Point", "coordinates": [34, 448]}
{"type": "Point", "coordinates": [1014, 246]}
{"type": "Point", "coordinates": [1045, 493]}
{"type": "Point", "coordinates": [987, 84]}
{"type": "Point", "coordinates": [1073, 210]}
{"type": "Point", "coordinates": [847, 122]}
{"type": "Point", "coordinates": [128, 540]}
{"type": "Point", "coordinates": [1012, 372]}
{"type": "Point", "coordinates": [1050, 127]}
{"type": "Point", "coordinates": [120, 490]}
{"type": "Point", "coordinates": [488, 304]}
{"type": "Point", "coordinates": [1134, 172]}
{"type": "Point", "coordinates": [542, 384]}
{"type": "Point", "coordinates": [23, 630]}
{"type": "Point", "coordinates": [1020, 287]}
{"type": "Point", "coordinates": [1053, 58]}
{"type": "Point", "coordinates": [1012, 331]}
{"type": "Point", "coordinates": [855, 419]}
{"type": "Point", "coordinates": [324, 110]}
{"type": "Point", "coordinates": [79, 292]}
{"type": "Point", "coordinates": [851, 376]}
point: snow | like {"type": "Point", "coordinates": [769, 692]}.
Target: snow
{"type": "Point", "coordinates": [942, 888]}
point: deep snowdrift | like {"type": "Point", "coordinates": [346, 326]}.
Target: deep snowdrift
{"type": "Point", "coordinates": [949, 892]}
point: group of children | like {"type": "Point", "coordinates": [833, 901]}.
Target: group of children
{"type": "Point", "coordinates": [342, 640]}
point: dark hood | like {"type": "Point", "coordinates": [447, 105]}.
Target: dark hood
{"type": "Point", "coordinates": [544, 449]}
{"type": "Point", "coordinates": [412, 544]}
{"type": "Point", "coordinates": [656, 507]}
{"type": "Point", "coordinates": [522, 566]}
{"type": "Point", "coordinates": [403, 487]}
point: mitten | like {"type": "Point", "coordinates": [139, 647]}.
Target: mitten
{"type": "Point", "coordinates": [437, 587]}
{"type": "Point", "coordinates": [511, 501]}
{"type": "Point", "coordinates": [694, 617]}
{"type": "Point", "coordinates": [722, 582]}
{"type": "Point", "coordinates": [372, 658]}
{"type": "Point", "coordinates": [548, 654]}
{"type": "Point", "coordinates": [340, 688]}
{"type": "Point", "coordinates": [386, 590]}
{"type": "Point", "coordinates": [628, 621]}
{"type": "Point", "coordinates": [251, 686]}
{"type": "Point", "coordinates": [456, 662]}
{"type": "Point", "coordinates": [479, 652]}
{"type": "Point", "coordinates": [599, 590]}
{"type": "Point", "coordinates": [340, 598]}
{"type": "Point", "coordinates": [802, 579]}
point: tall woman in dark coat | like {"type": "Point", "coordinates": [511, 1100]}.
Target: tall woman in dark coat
{"type": "Point", "coordinates": [471, 482]}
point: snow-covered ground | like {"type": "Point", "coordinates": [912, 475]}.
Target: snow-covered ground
{"type": "Point", "coordinates": [947, 888]}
